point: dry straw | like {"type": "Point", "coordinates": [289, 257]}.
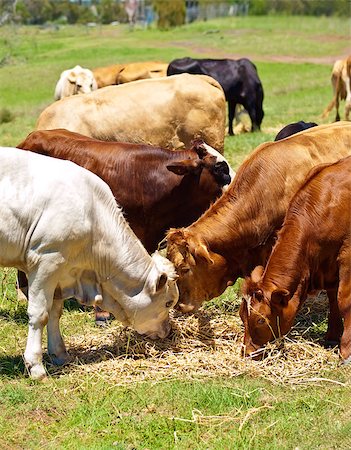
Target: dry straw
{"type": "Point", "coordinates": [207, 345]}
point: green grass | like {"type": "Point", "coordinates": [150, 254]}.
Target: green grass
{"type": "Point", "coordinates": [84, 409]}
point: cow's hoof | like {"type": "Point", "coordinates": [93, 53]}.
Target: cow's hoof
{"type": "Point", "coordinates": [346, 362]}
{"type": "Point", "coordinates": [331, 343]}
{"type": "Point", "coordinates": [102, 323]}
{"type": "Point", "coordinates": [61, 360]}
{"type": "Point", "coordinates": [37, 372]}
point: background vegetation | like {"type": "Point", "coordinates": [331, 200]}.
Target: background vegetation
{"type": "Point", "coordinates": [170, 13]}
{"type": "Point", "coordinates": [108, 398]}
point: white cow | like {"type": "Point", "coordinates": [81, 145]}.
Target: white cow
{"type": "Point", "coordinates": [75, 81]}
{"type": "Point", "coordinates": [60, 224]}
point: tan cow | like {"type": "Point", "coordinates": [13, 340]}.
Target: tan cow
{"type": "Point", "coordinates": [169, 112]}
{"type": "Point", "coordinates": [107, 76]}
{"type": "Point", "coordinates": [125, 73]}
{"type": "Point", "coordinates": [237, 233]}
{"type": "Point", "coordinates": [142, 71]}
{"type": "Point", "coordinates": [341, 82]}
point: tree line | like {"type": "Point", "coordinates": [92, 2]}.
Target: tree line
{"type": "Point", "coordinates": [168, 13]}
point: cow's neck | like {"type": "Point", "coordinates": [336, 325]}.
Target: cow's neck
{"type": "Point", "coordinates": [120, 255]}
{"type": "Point", "coordinates": [289, 264]}
{"type": "Point", "coordinates": [233, 230]}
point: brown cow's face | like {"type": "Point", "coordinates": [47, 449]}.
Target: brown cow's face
{"type": "Point", "coordinates": [266, 316]}
{"type": "Point", "coordinates": [201, 272]}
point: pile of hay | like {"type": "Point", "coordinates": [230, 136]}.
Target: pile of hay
{"type": "Point", "coordinates": [205, 345]}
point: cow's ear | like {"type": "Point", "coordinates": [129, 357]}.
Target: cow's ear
{"type": "Point", "coordinates": [72, 77]}
{"type": "Point", "coordinates": [280, 298]}
{"type": "Point", "coordinates": [184, 167]}
{"type": "Point", "coordinates": [257, 273]}
{"type": "Point", "coordinates": [161, 282]}
{"type": "Point", "coordinates": [202, 254]}
{"type": "Point", "coordinates": [198, 146]}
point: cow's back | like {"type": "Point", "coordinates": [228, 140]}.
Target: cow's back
{"type": "Point", "coordinates": [36, 191]}
{"type": "Point", "coordinates": [169, 112]}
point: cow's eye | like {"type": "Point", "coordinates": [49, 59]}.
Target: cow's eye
{"type": "Point", "coordinates": [169, 304]}
{"type": "Point", "coordinates": [261, 321]}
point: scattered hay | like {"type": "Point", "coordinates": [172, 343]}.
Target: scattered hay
{"type": "Point", "coordinates": [203, 346]}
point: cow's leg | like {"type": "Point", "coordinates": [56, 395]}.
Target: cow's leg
{"type": "Point", "coordinates": [348, 98]}
{"type": "Point", "coordinates": [344, 302]}
{"type": "Point", "coordinates": [335, 324]}
{"type": "Point", "coordinates": [231, 113]}
{"type": "Point", "coordinates": [251, 109]}
{"type": "Point", "coordinates": [337, 116]}
{"type": "Point", "coordinates": [56, 347]}
{"type": "Point", "coordinates": [42, 283]}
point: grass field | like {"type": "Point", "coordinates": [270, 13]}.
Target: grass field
{"type": "Point", "coordinates": [191, 391]}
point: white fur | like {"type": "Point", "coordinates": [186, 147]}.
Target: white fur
{"type": "Point", "coordinates": [77, 80]}
{"type": "Point", "coordinates": [60, 224]}
{"type": "Point", "coordinates": [220, 158]}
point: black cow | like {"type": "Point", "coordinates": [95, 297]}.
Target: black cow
{"type": "Point", "coordinates": [238, 78]}
{"type": "Point", "coordinates": [294, 128]}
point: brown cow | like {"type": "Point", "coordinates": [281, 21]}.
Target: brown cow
{"type": "Point", "coordinates": [313, 251]}
{"type": "Point", "coordinates": [168, 112]}
{"type": "Point", "coordinates": [237, 233]}
{"type": "Point", "coordinates": [341, 82]}
{"type": "Point", "coordinates": [157, 188]}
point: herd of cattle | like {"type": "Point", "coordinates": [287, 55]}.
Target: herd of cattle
{"type": "Point", "coordinates": [137, 159]}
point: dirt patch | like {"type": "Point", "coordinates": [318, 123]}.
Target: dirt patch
{"type": "Point", "coordinates": [210, 51]}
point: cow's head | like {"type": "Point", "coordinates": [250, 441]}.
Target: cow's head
{"type": "Point", "coordinates": [202, 273]}
{"type": "Point", "coordinates": [266, 313]}
{"type": "Point", "coordinates": [82, 80]}
{"type": "Point", "coordinates": [209, 159]}
{"type": "Point", "coordinates": [149, 314]}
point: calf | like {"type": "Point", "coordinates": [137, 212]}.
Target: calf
{"type": "Point", "coordinates": [313, 251]}
{"type": "Point", "coordinates": [238, 78]}
{"type": "Point", "coordinates": [61, 225]}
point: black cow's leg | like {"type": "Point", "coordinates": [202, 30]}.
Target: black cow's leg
{"type": "Point", "coordinates": [231, 113]}
{"type": "Point", "coordinates": [252, 113]}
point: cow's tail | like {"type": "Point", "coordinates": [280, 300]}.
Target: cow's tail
{"type": "Point", "coordinates": [335, 101]}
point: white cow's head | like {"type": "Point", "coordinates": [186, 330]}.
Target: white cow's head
{"type": "Point", "coordinates": [75, 81]}
{"type": "Point", "coordinates": [147, 311]}
{"type": "Point", "coordinates": [159, 296]}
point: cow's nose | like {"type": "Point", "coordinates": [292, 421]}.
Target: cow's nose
{"type": "Point", "coordinates": [185, 308]}
{"type": "Point", "coordinates": [162, 333]}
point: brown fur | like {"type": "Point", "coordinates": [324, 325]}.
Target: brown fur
{"type": "Point", "coordinates": [157, 188]}
{"type": "Point", "coordinates": [239, 229]}
{"type": "Point", "coordinates": [313, 251]}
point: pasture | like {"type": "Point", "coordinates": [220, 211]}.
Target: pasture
{"type": "Point", "coordinates": [192, 390]}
